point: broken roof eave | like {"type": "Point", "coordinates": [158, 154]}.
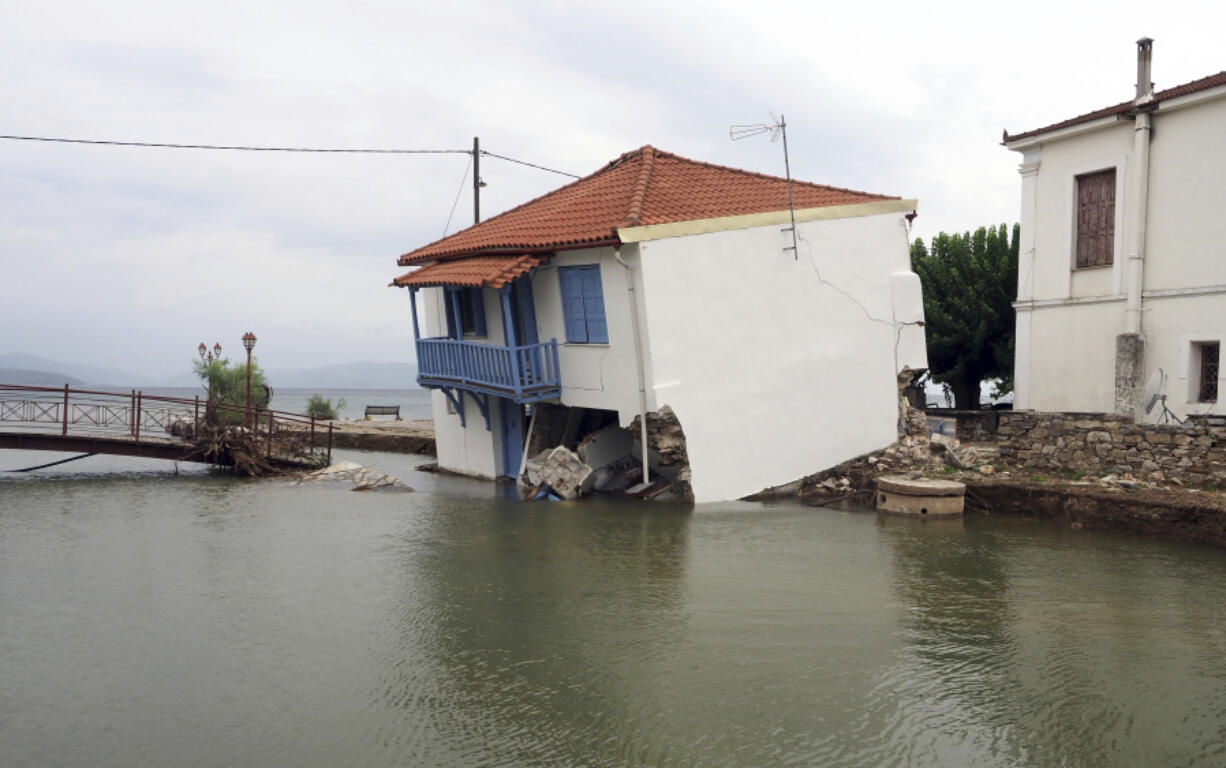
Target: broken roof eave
{"type": "Point", "coordinates": [473, 272]}
{"type": "Point", "coordinates": [507, 250]}
{"type": "Point", "coordinates": [749, 221]}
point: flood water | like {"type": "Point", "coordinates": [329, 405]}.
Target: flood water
{"type": "Point", "coordinates": [151, 619]}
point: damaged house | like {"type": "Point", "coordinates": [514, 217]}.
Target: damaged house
{"type": "Point", "coordinates": [667, 287]}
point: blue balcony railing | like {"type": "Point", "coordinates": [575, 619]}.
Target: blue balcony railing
{"type": "Point", "coordinates": [525, 373]}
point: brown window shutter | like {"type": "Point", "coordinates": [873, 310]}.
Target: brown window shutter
{"type": "Point", "coordinates": [1096, 218]}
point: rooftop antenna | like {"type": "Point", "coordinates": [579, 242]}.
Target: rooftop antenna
{"type": "Point", "coordinates": [1154, 396]}
{"type": "Point", "coordinates": [777, 127]}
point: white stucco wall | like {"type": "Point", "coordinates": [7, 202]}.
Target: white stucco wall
{"type": "Point", "coordinates": [775, 371]}
{"type": "Point", "coordinates": [470, 449]}
{"type": "Point", "coordinates": [1172, 325]}
{"type": "Point", "coordinates": [1068, 319]}
{"type": "Point", "coordinates": [1186, 242]}
{"type": "Point", "coordinates": [1073, 354]}
{"type": "Point", "coordinates": [593, 375]}
{"type": "Point", "coordinates": [1054, 219]}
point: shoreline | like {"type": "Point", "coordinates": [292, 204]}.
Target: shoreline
{"type": "Point", "coordinates": [1157, 512]}
{"type": "Point", "coordinates": [410, 436]}
{"type": "Point", "coordinates": [1194, 515]}
{"type": "Point", "coordinates": [1188, 515]}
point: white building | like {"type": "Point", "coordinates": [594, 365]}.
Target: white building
{"type": "Point", "coordinates": [1123, 252]}
{"type": "Point", "coordinates": [661, 281]}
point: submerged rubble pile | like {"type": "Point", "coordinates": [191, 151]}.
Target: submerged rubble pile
{"type": "Point", "coordinates": [561, 470]}
{"type": "Point", "coordinates": [576, 451]}
{"type": "Point", "coordinates": [360, 477]}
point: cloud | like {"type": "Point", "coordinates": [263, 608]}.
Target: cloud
{"type": "Point", "coordinates": [131, 257]}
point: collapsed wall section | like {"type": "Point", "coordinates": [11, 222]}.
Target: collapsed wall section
{"type": "Point", "coordinates": [575, 451]}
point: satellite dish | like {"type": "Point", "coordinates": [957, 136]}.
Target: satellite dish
{"type": "Point", "coordinates": [1153, 390]}
{"type": "Point", "coordinates": [1154, 397]}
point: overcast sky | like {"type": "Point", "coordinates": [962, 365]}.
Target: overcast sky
{"type": "Point", "coordinates": [131, 257]}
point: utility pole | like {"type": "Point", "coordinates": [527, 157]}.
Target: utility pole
{"type": "Point", "coordinates": [476, 180]}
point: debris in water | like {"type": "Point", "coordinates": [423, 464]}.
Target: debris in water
{"type": "Point", "coordinates": [561, 469]}
{"type": "Point", "coordinates": [362, 478]}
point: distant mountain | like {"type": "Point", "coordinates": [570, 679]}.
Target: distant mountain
{"type": "Point", "coordinates": [356, 375]}
{"type": "Point", "coordinates": [359, 375]}
{"type": "Point", "coordinates": [29, 378]}
{"type": "Point", "coordinates": [81, 374]}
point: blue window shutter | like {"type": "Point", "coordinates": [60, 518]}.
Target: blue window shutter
{"type": "Point", "coordinates": [451, 318]}
{"type": "Point", "coordinates": [478, 302]}
{"type": "Point", "coordinates": [593, 305]}
{"type": "Point", "coordinates": [572, 304]}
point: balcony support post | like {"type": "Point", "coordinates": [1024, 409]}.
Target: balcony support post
{"type": "Point", "coordinates": [413, 306]}
{"type": "Point", "coordinates": [454, 295]}
{"type": "Point", "coordinates": [508, 333]}
{"type": "Point", "coordinates": [521, 292]}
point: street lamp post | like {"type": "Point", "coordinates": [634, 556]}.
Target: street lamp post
{"type": "Point", "coordinates": [249, 343]}
{"type": "Point", "coordinates": [209, 357]}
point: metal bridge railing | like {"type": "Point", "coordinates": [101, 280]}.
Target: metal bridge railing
{"type": "Point", "coordinates": [140, 417]}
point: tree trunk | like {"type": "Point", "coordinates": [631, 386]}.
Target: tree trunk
{"type": "Point", "coordinates": [966, 393]}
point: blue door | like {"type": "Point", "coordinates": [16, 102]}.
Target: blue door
{"type": "Point", "coordinates": [511, 416]}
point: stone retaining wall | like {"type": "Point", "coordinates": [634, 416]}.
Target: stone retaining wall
{"type": "Point", "coordinates": [1101, 444]}
{"type": "Point", "coordinates": [386, 442]}
{"type": "Point", "coordinates": [970, 426]}
{"type": "Point", "coordinates": [1196, 517]}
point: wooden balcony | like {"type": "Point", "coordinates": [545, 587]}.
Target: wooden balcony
{"type": "Point", "coordinates": [525, 373]}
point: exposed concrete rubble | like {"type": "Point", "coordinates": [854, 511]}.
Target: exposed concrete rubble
{"type": "Point", "coordinates": [562, 425]}
{"type": "Point", "coordinates": [611, 452]}
{"type": "Point", "coordinates": [576, 451]}
{"type": "Point", "coordinates": [362, 478]}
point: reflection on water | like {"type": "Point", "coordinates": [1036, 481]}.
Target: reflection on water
{"type": "Point", "coordinates": [152, 619]}
{"type": "Point", "coordinates": [536, 651]}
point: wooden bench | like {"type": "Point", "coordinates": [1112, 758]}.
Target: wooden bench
{"type": "Point", "coordinates": [382, 410]}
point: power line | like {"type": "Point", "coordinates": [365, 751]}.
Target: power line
{"type": "Point", "coordinates": [456, 202]}
{"type": "Point", "coordinates": [524, 162]}
{"type": "Point", "coordinates": [244, 148]}
{"type": "Point", "coordinates": [252, 148]}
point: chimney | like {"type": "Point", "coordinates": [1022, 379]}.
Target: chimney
{"type": "Point", "coordinates": [1145, 86]}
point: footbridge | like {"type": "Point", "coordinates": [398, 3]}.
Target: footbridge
{"type": "Point", "coordinates": [157, 427]}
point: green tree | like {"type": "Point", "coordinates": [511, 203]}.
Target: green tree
{"type": "Point", "coordinates": [322, 408]}
{"type": "Point", "coordinates": [226, 385]}
{"type": "Point", "coordinates": [970, 281]}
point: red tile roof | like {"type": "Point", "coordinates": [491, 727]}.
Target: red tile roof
{"type": "Point", "coordinates": [477, 272]}
{"type": "Point", "coordinates": [645, 186]}
{"type": "Point", "coordinates": [1212, 81]}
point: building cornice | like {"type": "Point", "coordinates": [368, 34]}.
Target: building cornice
{"type": "Point", "coordinates": [1170, 293]}
{"type": "Point", "coordinates": [1163, 293]}
{"type": "Point", "coordinates": [1032, 304]}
